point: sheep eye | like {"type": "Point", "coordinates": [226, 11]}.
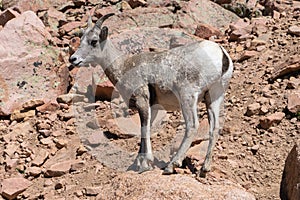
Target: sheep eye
{"type": "Point", "coordinates": [94, 43]}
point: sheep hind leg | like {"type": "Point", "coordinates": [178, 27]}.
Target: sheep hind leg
{"type": "Point", "coordinates": [214, 104]}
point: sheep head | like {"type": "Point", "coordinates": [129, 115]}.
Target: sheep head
{"type": "Point", "coordinates": [92, 44]}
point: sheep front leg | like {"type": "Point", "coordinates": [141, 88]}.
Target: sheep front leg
{"type": "Point", "coordinates": [145, 156]}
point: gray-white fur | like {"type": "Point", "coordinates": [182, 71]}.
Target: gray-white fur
{"type": "Point", "coordinates": [177, 78]}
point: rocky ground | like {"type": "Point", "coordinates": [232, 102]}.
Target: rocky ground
{"type": "Point", "coordinates": [60, 139]}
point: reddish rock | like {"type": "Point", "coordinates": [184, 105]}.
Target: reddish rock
{"type": "Point", "coordinates": [276, 15]}
{"type": "Point", "coordinates": [240, 24]}
{"type": "Point", "coordinates": [293, 83]}
{"type": "Point", "coordinates": [70, 98]}
{"type": "Point", "coordinates": [95, 138]}
{"type": "Point", "coordinates": [71, 26]}
{"type": "Point", "coordinates": [11, 164]}
{"type": "Point", "coordinates": [137, 3]}
{"type": "Point", "coordinates": [27, 77]}
{"type": "Point", "coordinates": [40, 157]}
{"type": "Point", "coordinates": [124, 127]}
{"type": "Point", "coordinates": [83, 80]}
{"type": "Point", "coordinates": [294, 30]}
{"type": "Point", "coordinates": [55, 15]}
{"type": "Point", "coordinates": [247, 54]}
{"type": "Point", "coordinates": [253, 109]}
{"type": "Point", "coordinates": [296, 6]}
{"type": "Point", "coordinates": [81, 150]}
{"type": "Point", "coordinates": [289, 188]}
{"type": "Point", "coordinates": [284, 69]}
{"type": "Point", "coordinates": [206, 31]}
{"type": "Point", "coordinates": [92, 191]}
{"type": "Point", "coordinates": [125, 6]}
{"type": "Point", "coordinates": [53, 19]}
{"type": "Point", "coordinates": [103, 87]}
{"type": "Point", "coordinates": [152, 17]}
{"type": "Point", "coordinates": [48, 107]}
{"type": "Point", "coordinates": [34, 171]}
{"type": "Point", "coordinates": [261, 40]}
{"type": "Point", "coordinates": [32, 104]}
{"type": "Point", "coordinates": [18, 115]}
{"type": "Point", "coordinates": [260, 25]}
{"type": "Point", "coordinates": [263, 110]}
{"type": "Point", "coordinates": [12, 187]}
{"type": "Point", "coordinates": [251, 4]}
{"type": "Point", "coordinates": [237, 35]}
{"type": "Point", "coordinates": [239, 29]}
{"type": "Point", "coordinates": [268, 121]}
{"type": "Point", "coordinates": [186, 22]}
{"type": "Point", "coordinates": [62, 155]}
{"type": "Point", "coordinates": [59, 169]}
{"type": "Point", "coordinates": [77, 166]}
{"type": "Point", "coordinates": [294, 102]}
{"type": "Point", "coordinates": [7, 15]}
{"type": "Point", "coordinates": [105, 10]}
{"type": "Point", "coordinates": [198, 152]}
{"type": "Point", "coordinates": [79, 3]}
{"type": "Point", "coordinates": [60, 143]}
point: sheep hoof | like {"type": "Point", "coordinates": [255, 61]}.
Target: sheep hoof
{"type": "Point", "coordinates": [203, 172]}
{"type": "Point", "coordinates": [168, 170]}
{"type": "Point", "coordinates": [145, 169]}
{"type": "Point", "coordinates": [144, 162]}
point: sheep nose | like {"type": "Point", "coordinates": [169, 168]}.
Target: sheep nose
{"type": "Point", "coordinates": [72, 59]}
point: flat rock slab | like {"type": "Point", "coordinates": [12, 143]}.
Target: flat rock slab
{"type": "Point", "coordinates": [154, 185]}
{"type": "Point", "coordinates": [59, 168]}
{"type": "Point", "coordinates": [11, 187]}
{"type": "Point", "coordinates": [27, 70]}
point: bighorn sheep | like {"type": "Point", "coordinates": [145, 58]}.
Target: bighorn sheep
{"type": "Point", "coordinates": [175, 78]}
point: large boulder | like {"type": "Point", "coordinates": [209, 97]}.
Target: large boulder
{"type": "Point", "coordinates": [189, 15]}
{"type": "Point", "coordinates": [28, 64]}
{"type": "Point", "coordinates": [290, 189]}
{"type": "Point", "coordinates": [153, 185]}
{"type": "Point", "coordinates": [25, 5]}
{"type": "Point", "coordinates": [201, 11]}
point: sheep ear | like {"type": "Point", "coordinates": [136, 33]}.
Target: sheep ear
{"type": "Point", "coordinates": [103, 33]}
{"type": "Point", "coordinates": [89, 22]}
